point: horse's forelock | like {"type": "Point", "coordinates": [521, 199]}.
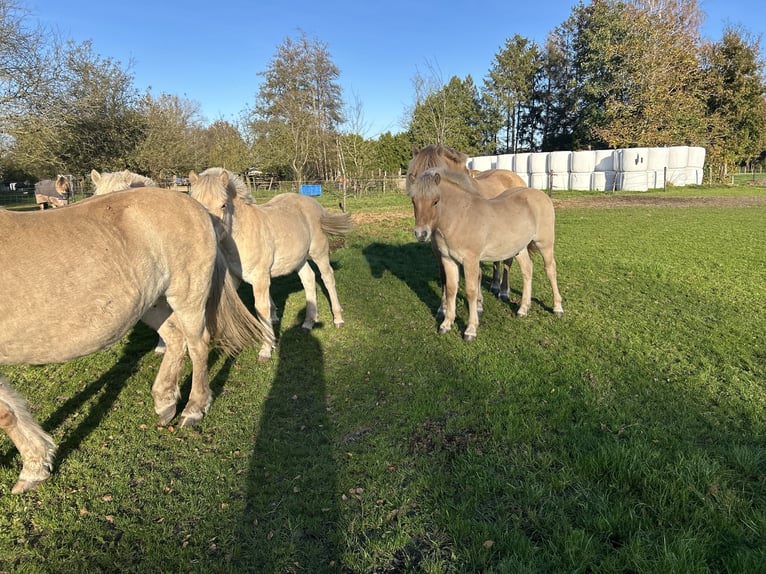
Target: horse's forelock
{"type": "Point", "coordinates": [235, 187]}
{"type": "Point", "coordinates": [426, 184]}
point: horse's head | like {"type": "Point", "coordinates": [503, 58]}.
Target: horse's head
{"type": "Point", "coordinates": [434, 155]}
{"type": "Point", "coordinates": [425, 195]}
{"type": "Point", "coordinates": [217, 188]}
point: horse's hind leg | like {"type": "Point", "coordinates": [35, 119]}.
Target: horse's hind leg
{"type": "Point", "coordinates": [328, 278]}
{"type": "Point", "coordinates": [34, 445]}
{"type": "Point", "coordinates": [526, 267]}
{"type": "Point", "coordinates": [505, 291]}
{"type": "Point", "coordinates": [550, 271]}
{"type": "Point", "coordinates": [496, 286]}
{"type": "Point", "coordinates": [309, 282]}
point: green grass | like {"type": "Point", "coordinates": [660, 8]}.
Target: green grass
{"type": "Point", "coordinates": [627, 436]}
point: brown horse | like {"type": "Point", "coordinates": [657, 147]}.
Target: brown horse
{"type": "Point", "coordinates": [153, 256]}
{"type": "Point", "coordinates": [487, 183]}
{"type": "Point", "coordinates": [271, 240]}
{"type": "Point", "coordinates": [497, 230]}
{"type": "Point", "coordinates": [108, 182]}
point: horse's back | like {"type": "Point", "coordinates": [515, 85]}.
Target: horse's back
{"type": "Point", "coordinates": [494, 181]}
{"type": "Point", "coordinates": [81, 277]}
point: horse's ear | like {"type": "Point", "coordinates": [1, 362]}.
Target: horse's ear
{"type": "Point", "coordinates": [437, 178]}
{"type": "Point", "coordinates": [224, 178]}
{"type": "Point", "coordinates": [415, 150]}
{"type": "Point", "coordinates": [193, 177]}
{"type": "Point", "coordinates": [95, 177]}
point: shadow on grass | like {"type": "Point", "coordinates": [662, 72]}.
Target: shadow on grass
{"type": "Point", "coordinates": [108, 387]}
{"type": "Point", "coordinates": [291, 495]}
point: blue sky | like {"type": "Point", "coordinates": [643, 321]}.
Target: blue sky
{"type": "Point", "coordinates": [211, 52]}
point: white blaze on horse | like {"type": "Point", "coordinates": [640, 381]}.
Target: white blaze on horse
{"type": "Point", "coordinates": [273, 239]}
{"type": "Point", "coordinates": [488, 183]}
{"type": "Point", "coordinates": [467, 229]}
{"type": "Point", "coordinates": [153, 256]}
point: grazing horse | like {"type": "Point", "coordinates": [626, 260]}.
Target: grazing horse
{"type": "Point", "coordinates": [487, 183]}
{"type": "Point", "coordinates": [496, 230]}
{"type": "Point", "coordinates": [108, 182]}
{"type": "Point", "coordinates": [153, 256]}
{"type": "Point", "coordinates": [272, 239]}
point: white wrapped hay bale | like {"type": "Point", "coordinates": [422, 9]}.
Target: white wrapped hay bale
{"type": "Point", "coordinates": [483, 163]}
{"type": "Point", "coordinates": [582, 161]}
{"type": "Point", "coordinates": [521, 164]}
{"type": "Point", "coordinates": [604, 180]}
{"type": "Point", "coordinates": [605, 160]}
{"type": "Point", "coordinates": [678, 157]}
{"type": "Point", "coordinates": [581, 181]}
{"type": "Point", "coordinates": [694, 175]}
{"type": "Point", "coordinates": [538, 180]}
{"type": "Point", "coordinates": [657, 158]}
{"type": "Point", "coordinates": [537, 162]}
{"type": "Point", "coordinates": [696, 157]}
{"type": "Point", "coordinates": [633, 180]}
{"type": "Point", "coordinates": [558, 162]}
{"type": "Point", "coordinates": [633, 159]}
{"type": "Point", "coordinates": [505, 161]}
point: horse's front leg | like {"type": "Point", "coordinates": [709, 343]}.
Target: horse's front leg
{"type": "Point", "coordinates": [472, 272]}
{"type": "Point", "coordinates": [451, 278]}
{"type": "Point", "coordinates": [262, 297]}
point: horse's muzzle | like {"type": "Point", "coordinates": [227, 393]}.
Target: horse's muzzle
{"type": "Point", "coordinates": [422, 234]}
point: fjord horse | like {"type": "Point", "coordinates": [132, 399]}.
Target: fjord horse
{"type": "Point", "coordinates": [152, 256]}
{"type": "Point", "coordinates": [272, 239]}
{"type": "Point", "coordinates": [496, 230]}
{"type": "Point", "coordinates": [487, 183]}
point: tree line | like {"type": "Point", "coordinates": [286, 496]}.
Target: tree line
{"type": "Point", "coordinates": [614, 74]}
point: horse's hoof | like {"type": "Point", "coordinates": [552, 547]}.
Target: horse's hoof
{"type": "Point", "coordinates": [494, 290]}
{"type": "Point", "coordinates": [559, 313]}
{"type": "Point", "coordinates": [443, 330]}
{"type": "Point", "coordinates": [307, 326]}
{"type": "Point", "coordinates": [190, 420]}
{"type": "Point", "coordinates": [504, 297]}
{"type": "Point", "coordinates": [22, 486]}
{"type": "Point", "coordinates": [339, 324]}
{"type": "Point", "coordinates": [468, 338]}
{"type": "Point", "coordinates": [166, 415]}
{"type": "Point", "coordinates": [521, 313]}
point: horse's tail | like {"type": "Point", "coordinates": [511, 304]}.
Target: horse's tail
{"type": "Point", "coordinates": [231, 325]}
{"type": "Point", "coordinates": [35, 446]}
{"type": "Point", "coordinates": [336, 223]}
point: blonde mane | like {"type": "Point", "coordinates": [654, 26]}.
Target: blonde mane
{"type": "Point", "coordinates": [236, 187]}
{"type": "Point", "coordinates": [108, 182]}
{"type": "Point", "coordinates": [427, 183]}
{"type": "Point", "coordinates": [436, 155]}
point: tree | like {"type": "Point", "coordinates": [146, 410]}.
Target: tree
{"type": "Point", "coordinates": [736, 108]}
{"type": "Point", "coordinates": [509, 84]}
{"type": "Point", "coordinates": [451, 115]}
{"type": "Point", "coordinates": [170, 143]}
{"type": "Point", "coordinates": [221, 144]}
{"type": "Point", "coordinates": [298, 109]}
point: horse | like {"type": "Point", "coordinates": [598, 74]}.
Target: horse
{"type": "Point", "coordinates": [153, 256]}
{"type": "Point", "coordinates": [272, 239]}
{"type": "Point", "coordinates": [53, 193]}
{"type": "Point", "coordinates": [498, 229]}
{"type": "Point", "coordinates": [488, 183]}
{"type": "Point", "coordinates": [108, 182]}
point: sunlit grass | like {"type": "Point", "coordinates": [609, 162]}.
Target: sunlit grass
{"type": "Point", "coordinates": [626, 436]}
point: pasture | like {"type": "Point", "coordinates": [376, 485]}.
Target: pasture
{"type": "Point", "coordinates": [627, 436]}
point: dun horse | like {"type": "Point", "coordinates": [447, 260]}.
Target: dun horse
{"type": "Point", "coordinates": [152, 256]}
{"type": "Point", "coordinates": [272, 239]}
{"type": "Point", "coordinates": [497, 230]}
{"type": "Point", "coordinates": [108, 182]}
{"type": "Point", "coordinates": [487, 183]}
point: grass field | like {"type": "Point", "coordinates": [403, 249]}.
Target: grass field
{"type": "Point", "coordinates": [627, 436]}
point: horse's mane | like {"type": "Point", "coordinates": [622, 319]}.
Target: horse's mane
{"type": "Point", "coordinates": [436, 155]}
{"type": "Point", "coordinates": [235, 185]}
{"type": "Point", "coordinates": [118, 180]}
{"type": "Point", "coordinates": [427, 183]}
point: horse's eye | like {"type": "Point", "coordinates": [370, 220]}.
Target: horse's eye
{"type": "Point", "coordinates": [436, 201]}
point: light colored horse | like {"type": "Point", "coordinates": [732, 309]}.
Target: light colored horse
{"type": "Point", "coordinates": [108, 182]}
{"type": "Point", "coordinates": [153, 256]}
{"type": "Point", "coordinates": [497, 229]}
{"type": "Point", "coordinates": [487, 183]}
{"type": "Point", "coordinates": [272, 239]}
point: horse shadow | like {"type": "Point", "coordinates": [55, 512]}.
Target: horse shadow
{"type": "Point", "coordinates": [292, 461]}
{"type": "Point", "coordinates": [416, 266]}
{"type": "Point", "coordinates": [108, 387]}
